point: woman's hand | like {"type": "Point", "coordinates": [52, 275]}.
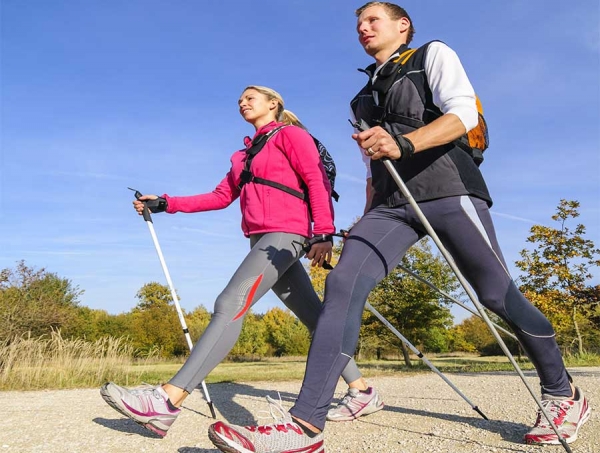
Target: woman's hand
{"type": "Point", "coordinates": [138, 204]}
{"type": "Point", "coordinates": [320, 253]}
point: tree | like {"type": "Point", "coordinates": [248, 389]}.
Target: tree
{"type": "Point", "coordinates": [251, 342]}
{"type": "Point", "coordinates": [285, 333]}
{"type": "Point", "coordinates": [557, 270]}
{"type": "Point", "coordinates": [155, 325]}
{"type": "Point", "coordinates": [35, 301]}
{"type": "Point", "coordinates": [416, 310]}
{"type": "Point", "coordinates": [197, 321]}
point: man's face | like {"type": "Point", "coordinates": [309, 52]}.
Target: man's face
{"type": "Point", "coordinates": [376, 31]}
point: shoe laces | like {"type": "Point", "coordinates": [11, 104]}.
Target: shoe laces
{"type": "Point", "coordinates": [276, 412]}
{"type": "Point", "coordinates": [557, 409]}
{"type": "Point", "coordinates": [147, 390]}
{"type": "Point", "coordinates": [350, 395]}
{"type": "Point", "coordinates": [282, 419]}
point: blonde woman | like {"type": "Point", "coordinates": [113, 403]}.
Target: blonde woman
{"type": "Point", "coordinates": [276, 186]}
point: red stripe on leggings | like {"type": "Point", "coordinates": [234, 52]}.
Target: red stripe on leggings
{"type": "Point", "coordinates": [249, 298]}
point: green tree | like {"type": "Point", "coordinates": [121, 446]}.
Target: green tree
{"type": "Point", "coordinates": [475, 332]}
{"type": "Point", "coordinates": [415, 309]}
{"type": "Point", "coordinates": [252, 340]}
{"type": "Point", "coordinates": [35, 301]}
{"type": "Point", "coordinates": [285, 333]}
{"type": "Point", "coordinates": [154, 324]}
{"type": "Point", "coordinates": [556, 272]}
{"type": "Point", "coordinates": [197, 320]}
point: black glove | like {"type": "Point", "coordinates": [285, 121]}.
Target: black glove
{"type": "Point", "coordinates": [158, 205]}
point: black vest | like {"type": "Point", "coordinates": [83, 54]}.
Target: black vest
{"type": "Point", "coordinates": [440, 172]}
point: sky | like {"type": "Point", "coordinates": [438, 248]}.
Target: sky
{"type": "Point", "coordinates": [96, 97]}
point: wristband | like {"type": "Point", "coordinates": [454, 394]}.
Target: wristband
{"type": "Point", "coordinates": [407, 149]}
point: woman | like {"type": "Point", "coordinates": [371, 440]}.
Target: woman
{"type": "Point", "coordinates": [278, 225]}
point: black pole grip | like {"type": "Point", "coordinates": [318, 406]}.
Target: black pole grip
{"type": "Point", "coordinates": [146, 211]}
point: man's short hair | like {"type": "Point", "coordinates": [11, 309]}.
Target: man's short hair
{"type": "Point", "coordinates": [395, 12]}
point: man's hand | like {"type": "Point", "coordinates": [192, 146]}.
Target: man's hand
{"type": "Point", "coordinates": [377, 143]}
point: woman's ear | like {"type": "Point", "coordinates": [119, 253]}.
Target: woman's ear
{"type": "Point", "coordinates": [273, 104]}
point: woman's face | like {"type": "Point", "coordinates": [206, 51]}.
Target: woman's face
{"type": "Point", "coordinates": [256, 107]}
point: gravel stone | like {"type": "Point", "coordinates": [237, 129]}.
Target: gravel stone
{"type": "Point", "coordinates": [422, 414]}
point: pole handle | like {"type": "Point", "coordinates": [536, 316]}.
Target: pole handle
{"type": "Point", "coordinates": [146, 212]}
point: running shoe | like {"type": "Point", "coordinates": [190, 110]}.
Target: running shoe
{"type": "Point", "coordinates": [284, 436]}
{"type": "Point", "coordinates": [355, 404]}
{"type": "Point", "coordinates": [145, 405]}
{"type": "Point", "coordinates": [567, 414]}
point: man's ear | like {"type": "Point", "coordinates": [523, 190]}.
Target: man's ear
{"type": "Point", "coordinates": [403, 25]}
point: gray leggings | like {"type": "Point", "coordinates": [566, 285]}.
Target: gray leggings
{"type": "Point", "coordinates": [273, 263]}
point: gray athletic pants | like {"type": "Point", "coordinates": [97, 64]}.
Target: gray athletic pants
{"type": "Point", "coordinates": [273, 263]}
{"type": "Point", "coordinates": [375, 246]}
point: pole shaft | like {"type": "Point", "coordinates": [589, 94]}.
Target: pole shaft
{"type": "Point", "coordinates": [178, 308]}
{"type": "Point", "coordinates": [420, 355]}
{"type": "Point", "coordinates": [452, 299]}
{"type": "Point", "coordinates": [390, 167]}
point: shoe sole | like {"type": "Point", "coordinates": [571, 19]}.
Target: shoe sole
{"type": "Point", "coordinates": [226, 448]}
{"type": "Point", "coordinates": [367, 410]}
{"type": "Point", "coordinates": [113, 403]}
{"type": "Point", "coordinates": [220, 443]}
{"type": "Point", "coordinates": [568, 440]}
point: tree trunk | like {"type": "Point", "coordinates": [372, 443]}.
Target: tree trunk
{"type": "Point", "coordinates": [378, 353]}
{"type": "Point", "coordinates": [577, 332]}
{"type": "Point", "coordinates": [406, 355]}
{"type": "Point", "coordinates": [357, 355]}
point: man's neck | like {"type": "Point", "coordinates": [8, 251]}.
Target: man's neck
{"type": "Point", "coordinates": [384, 54]}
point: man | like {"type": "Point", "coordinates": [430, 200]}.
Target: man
{"type": "Point", "coordinates": [416, 120]}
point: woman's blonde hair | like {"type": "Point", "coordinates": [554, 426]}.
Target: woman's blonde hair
{"type": "Point", "coordinates": [282, 115]}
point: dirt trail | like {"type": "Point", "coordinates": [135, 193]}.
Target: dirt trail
{"type": "Point", "coordinates": [422, 414]}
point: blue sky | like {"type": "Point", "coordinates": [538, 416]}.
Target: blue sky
{"type": "Point", "coordinates": [98, 96]}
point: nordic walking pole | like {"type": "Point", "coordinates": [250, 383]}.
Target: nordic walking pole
{"type": "Point", "coordinates": [452, 299]}
{"type": "Point", "coordinates": [390, 167]}
{"type": "Point", "coordinates": [419, 354]}
{"type": "Point", "coordinates": [186, 332]}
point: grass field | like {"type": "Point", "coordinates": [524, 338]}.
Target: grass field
{"type": "Point", "coordinates": [282, 369]}
{"type": "Point", "coordinates": [57, 363]}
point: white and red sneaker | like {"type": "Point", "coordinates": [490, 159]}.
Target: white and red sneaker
{"type": "Point", "coordinates": [567, 414]}
{"type": "Point", "coordinates": [282, 438]}
{"type": "Point", "coordinates": [146, 405]}
{"type": "Point", "coordinates": [355, 404]}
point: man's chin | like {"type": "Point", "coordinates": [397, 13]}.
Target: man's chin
{"type": "Point", "coordinates": [370, 50]}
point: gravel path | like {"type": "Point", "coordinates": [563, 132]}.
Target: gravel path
{"type": "Point", "coordinates": [422, 414]}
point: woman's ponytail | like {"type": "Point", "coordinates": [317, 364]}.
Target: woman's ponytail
{"type": "Point", "coordinates": [289, 117]}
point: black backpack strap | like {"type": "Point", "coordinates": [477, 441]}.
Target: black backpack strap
{"type": "Point", "coordinates": [393, 71]}
{"type": "Point", "coordinates": [256, 146]}
{"type": "Point", "coordinates": [246, 176]}
{"type": "Point", "coordinates": [279, 186]}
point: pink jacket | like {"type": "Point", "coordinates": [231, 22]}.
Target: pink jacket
{"type": "Point", "coordinates": [290, 157]}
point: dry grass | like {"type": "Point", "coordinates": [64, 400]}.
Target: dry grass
{"type": "Point", "coordinates": [53, 362]}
